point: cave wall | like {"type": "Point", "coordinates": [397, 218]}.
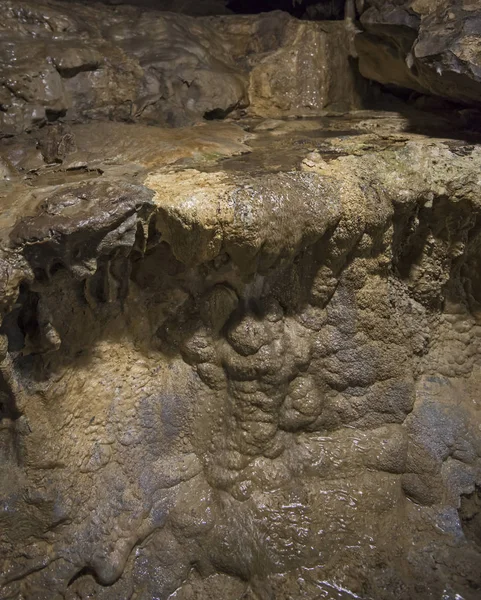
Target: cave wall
{"type": "Point", "coordinates": [244, 383]}
{"type": "Point", "coordinates": [220, 381]}
{"type": "Point", "coordinates": [239, 359]}
{"type": "Point", "coordinates": [431, 47]}
{"type": "Point", "coordinates": [78, 62]}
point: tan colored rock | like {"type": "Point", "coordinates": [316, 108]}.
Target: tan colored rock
{"type": "Point", "coordinates": [240, 368]}
{"type": "Point", "coordinates": [303, 77]}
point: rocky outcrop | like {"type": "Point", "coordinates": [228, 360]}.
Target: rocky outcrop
{"type": "Point", "coordinates": [239, 360]}
{"type": "Point", "coordinates": [431, 47]}
{"type": "Point", "coordinates": [240, 365]}
{"type": "Point", "coordinates": [75, 62]}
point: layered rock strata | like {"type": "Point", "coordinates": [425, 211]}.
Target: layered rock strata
{"type": "Point", "coordinates": [430, 46]}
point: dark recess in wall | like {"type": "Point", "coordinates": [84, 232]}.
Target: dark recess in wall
{"type": "Point", "coordinates": [328, 9]}
{"type": "Point", "coordinates": [470, 514]}
{"type": "Point", "coordinates": [302, 9]}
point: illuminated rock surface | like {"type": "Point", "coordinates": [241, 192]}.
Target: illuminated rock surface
{"type": "Point", "coordinates": [81, 62]}
{"type": "Point", "coordinates": [239, 359]}
{"type": "Point", "coordinates": [431, 46]}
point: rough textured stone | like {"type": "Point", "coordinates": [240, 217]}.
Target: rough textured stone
{"type": "Point", "coordinates": [431, 47]}
{"type": "Point", "coordinates": [238, 360]}
{"type": "Point", "coordinates": [303, 76]}
{"type": "Point", "coordinates": [254, 377]}
{"type": "Point", "coordinates": [75, 62]}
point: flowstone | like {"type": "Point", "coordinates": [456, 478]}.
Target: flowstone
{"type": "Point", "coordinates": [239, 360]}
{"type": "Point", "coordinates": [247, 370]}
{"type": "Point", "coordinates": [75, 62]}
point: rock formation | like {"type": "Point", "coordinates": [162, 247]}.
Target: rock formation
{"type": "Point", "coordinates": [431, 46]}
{"type": "Point", "coordinates": [79, 62]}
{"type": "Point", "coordinates": [239, 359]}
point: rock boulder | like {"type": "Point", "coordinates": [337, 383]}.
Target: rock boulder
{"type": "Point", "coordinates": [432, 47]}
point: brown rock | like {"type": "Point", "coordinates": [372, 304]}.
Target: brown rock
{"type": "Point", "coordinates": [431, 47]}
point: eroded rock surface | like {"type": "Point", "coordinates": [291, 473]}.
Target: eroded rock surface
{"type": "Point", "coordinates": [431, 46]}
{"type": "Point", "coordinates": [75, 62]}
{"type": "Point", "coordinates": [238, 359]}
{"type": "Point", "coordinates": [240, 364]}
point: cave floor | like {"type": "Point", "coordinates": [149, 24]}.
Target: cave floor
{"type": "Point", "coordinates": [269, 145]}
{"type": "Point", "coordinates": [63, 155]}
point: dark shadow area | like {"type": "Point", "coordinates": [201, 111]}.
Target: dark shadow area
{"type": "Point", "coordinates": [433, 116]}
{"type": "Point", "coordinates": [302, 9]}
{"type": "Point", "coordinates": [319, 10]}
{"type": "Point", "coordinates": [84, 572]}
{"type": "Point", "coordinates": [427, 115]}
{"type": "Point", "coordinates": [216, 114]}
{"type": "Point", "coordinates": [470, 515]}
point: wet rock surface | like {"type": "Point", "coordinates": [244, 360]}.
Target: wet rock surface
{"type": "Point", "coordinates": [77, 62]}
{"type": "Point", "coordinates": [244, 364]}
{"type": "Point", "coordinates": [238, 359]}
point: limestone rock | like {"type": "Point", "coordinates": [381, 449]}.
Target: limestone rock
{"type": "Point", "coordinates": [238, 360]}
{"type": "Point", "coordinates": [236, 374]}
{"type": "Point", "coordinates": [431, 47]}
{"type": "Point", "coordinates": [302, 77]}
{"type": "Point", "coordinates": [75, 62]}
